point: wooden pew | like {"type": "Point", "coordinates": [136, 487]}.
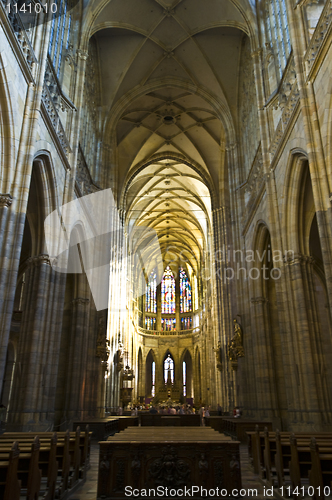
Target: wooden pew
{"type": "Point", "coordinates": [53, 457]}
{"type": "Point", "coordinates": [238, 427]}
{"type": "Point", "coordinates": [28, 471]}
{"type": "Point", "coordinates": [282, 459]}
{"type": "Point", "coordinates": [79, 447]}
{"type": "Point", "coordinates": [48, 456]}
{"type": "Point", "coordinates": [279, 454]}
{"type": "Point", "coordinates": [320, 475]}
{"type": "Point", "coordinates": [256, 443]}
{"type": "Point", "coordinates": [10, 485]}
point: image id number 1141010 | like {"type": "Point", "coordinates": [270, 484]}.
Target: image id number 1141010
{"type": "Point", "coordinates": [310, 491]}
{"type": "Point", "coordinates": [30, 8]}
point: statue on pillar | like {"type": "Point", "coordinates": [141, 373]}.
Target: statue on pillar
{"type": "Point", "coordinates": [235, 348]}
{"type": "Point", "coordinates": [217, 351]}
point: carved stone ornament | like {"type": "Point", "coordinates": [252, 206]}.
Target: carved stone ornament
{"type": "Point", "coordinates": [235, 348]}
{"type": "Point", "coordinates": [136, 467]}
{"type": "Point", "coordinates": [217, 351]}
{"type": "Point", "coordinates": [81, 301]}
{"type": "Point", "coordinates": [38, 260]}
{"type": "Point", "coordinates": [169, 470]}
{"type": "Point", "coordinates": [102, 350]}
{"type": "Point", "coordinates": [6, 200]}
{"type": "Point", "coordinates": [119, 360]}
{"type": "Point", "coordinates": [203, 467]}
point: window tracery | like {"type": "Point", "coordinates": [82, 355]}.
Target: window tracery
{"type": "Point", "coordinates": [185, 293]}
{"type": "Point", "coordinates": [153, 377]}
{"type": "Point", "coordinates": [169, 369]}
{"type": "Point", "coordinates": [60, 34]}
{"type": "Point", "coordinates": [278, 32]}
{"type": "Point", "coordinates": [168, 292]}
{"type": "Point", "coordinates": [151, 294]}
{"type": "Point", "coordinates": [186, 323]}
{"type": "Point", "coordinates": [184, 378]}
{"type": "Point", "coordinates": [150, 323]}
{"type": "Point", "coordinates": [168, 324]}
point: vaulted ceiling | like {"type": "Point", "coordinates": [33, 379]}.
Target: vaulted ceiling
{"type": "Point", "coordinates": [171, 198]}
{"type": "Point", "coordinates": [169, 84]}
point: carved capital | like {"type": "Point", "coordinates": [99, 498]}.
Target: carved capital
{"type": "Point", "coordinates": [37, 260]}
{"type": "Point", "coordinates": [82, 54]}
{"type": "Point", "coordinates": [81, 301]}
{"type": "Point", "coordinates": [231, 147]}
{"type": "Point", "coordinates": [6, 200]}
{"type": "Point", "coordinates": [258, 300]}
{"type": "Point", "coordinates": [298, 258]}
{"type": "Point", "coordinates": [256, 52]}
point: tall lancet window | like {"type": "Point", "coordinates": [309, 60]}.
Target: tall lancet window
{"type": "Point", "coordinates": [153, 388]}
{"type": "Point", "coordinates": [184, 378]}
{"type": "Point", "coordinates": [185, 293]}
{"type": "Point", "coordinates": [151, 294]}
{"type": "Point", "coordinates": [169, 369]}
{"type": "Point", "coordinates": [60, 32]}
{"type": "Point", "coordinates": [168, 292]}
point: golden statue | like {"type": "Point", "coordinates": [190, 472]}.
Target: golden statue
{"type": "Point", "coordinates": [235, 348]}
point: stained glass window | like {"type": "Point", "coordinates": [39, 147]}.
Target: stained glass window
{"type": "Point", "coordinates": [169, 369]}
{"type": "Point", "coordinates": [151, 294]}
{"type": "Point", "coordinates": [278, 32]}
{"type": "Point", "coordinates": [184, 374]}
{"type": "Point", "coordinates": [186, 323]}
{"type": "Point", "coordinates": [168, 292]}
{"type": "Point", "coordinates": [168, 324]}
{"type": "Point", "coordinates": [153, 388]}
{"type": "Point", "coordinates": [150, 323]}
{"type": "Point", "coordinates": [185, 293]}
{"type": "Point", "coordinates": [60, 34]}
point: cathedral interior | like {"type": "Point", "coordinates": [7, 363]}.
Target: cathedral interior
{"type": "Point", "coordinates": [200, 133]}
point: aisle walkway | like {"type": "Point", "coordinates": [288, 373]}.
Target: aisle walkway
{"type": "Point", "coordinates": [88, 491]}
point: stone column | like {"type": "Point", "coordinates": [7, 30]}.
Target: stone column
{"type": "Point", "coordinates": [263, 364]}
{"type": "Point", "coordinates": [34, 385]}
{"type": "Point", "coordinates": [220, 231]}
{"type": "Point", "coordinates": [310, 404]}
{"type": "Point", "coordinates": [77, 358]}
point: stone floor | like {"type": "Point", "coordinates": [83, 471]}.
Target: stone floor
{"type": "Point", "coordinates": [88, 491]}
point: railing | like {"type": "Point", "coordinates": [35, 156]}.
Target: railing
{"type": "Point", "coordinates": [83, 176]}
{"type": "Point", "coordinates": [169, 333]}
{"type": "Point", "coordinates": [55, 119]}
{"type": "Point", "coordinates": [255, 179]}
{"type": "Point", "coordinates": [319, 35]}
{"type": "Point", "coordinates": [289, 96]}
{"type": "Point", "coordinates": [20, 33]}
